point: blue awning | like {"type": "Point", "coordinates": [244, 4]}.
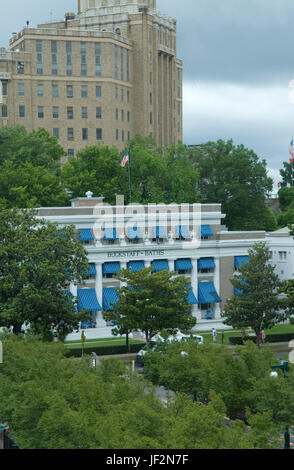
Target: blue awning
{"type": "Point", "coordinates": [85, 235]}
{"type": "Point", "coordinates": [110, 234]}
{"type": "Point", "coordinates": [240, 261]}
{"type": "Point", "coordinates": [110, 268]}
{"type": "Point", "coordinates": [134, 233]}
{"type": "Point", "coordinates": [184, 264]}
{"type": "Point", "coordinates": [206, 263]}
{"type": "Point", "coordinates": [135, 266]}
{"type": "Point", "coordinates": [206, 231]}
{"type": "Point", "coordinates": [192, 298]}
{"type": "Point", "coordinates": [88, 300]}
{"type": "Point", "coordinates": [182, 231]}
{"type": "Point", "coordinates": [207, 293]}
{"type": "Point", "coordinates": [160, 265]}
{"type": "Point", "coordinates": [92, 270]}
{"type": "Point", "coordinates": [158, 232]}
{"type": "Point", "coordinates": [109, 297]}
{"type": "Point", "coordinates": [237, 291]}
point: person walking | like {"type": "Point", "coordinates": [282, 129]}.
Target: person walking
{"type": "Point", "coordinates": [214, 335]}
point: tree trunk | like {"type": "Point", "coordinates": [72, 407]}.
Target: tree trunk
{"type": "Point", "coordinates": [127, 341]}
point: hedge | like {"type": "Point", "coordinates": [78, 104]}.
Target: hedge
{"type": "Point", "coordinates": [272, 338]}
{"type": "Point", "coordinates": [104, 350]}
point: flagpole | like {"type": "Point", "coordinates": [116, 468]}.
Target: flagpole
{"type": "Point", "coordinates": [129, 173]}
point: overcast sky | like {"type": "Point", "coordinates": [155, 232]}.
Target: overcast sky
{"type": "Point", "coordinates": [237, 67]}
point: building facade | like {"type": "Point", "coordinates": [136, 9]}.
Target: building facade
{"type": "Point", "coordinates": [100, 76]}
{"type": "Point", "coordinates": [187, 239]}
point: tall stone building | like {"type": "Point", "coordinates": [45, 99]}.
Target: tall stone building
{"type": "Point", "coordinates": [103, 75]}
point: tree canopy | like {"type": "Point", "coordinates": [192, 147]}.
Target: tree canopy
{"type": "Point", "coordinates": [151, 302]}
{"type": "Point", "coordinates": [236, 178]}
{"type": "Point", "coordinates": [37, 263]}
{"type": "Point", "coordinates": [51, 402]}
{"type": "Point", "coordinates": [258, 304]}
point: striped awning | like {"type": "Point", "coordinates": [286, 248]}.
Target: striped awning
{"type": "Point", "coordinates": [88, 300]}
{"type": "Point", "coordinates": [206, 231]}
{"type": "Point", "coordinates": [182, 231]}
{"type": "Point", "coordinates": [135, 266]}
{"type": "Point", "coordinates": [92, 269]}
{"type": "Point", "coordinates": [85, 235]}
{"type": "Point", "coordinates": [110, 234]}
{"type": "Point", "coordinates": [191, 297]}
{"type": "Point", "coordinates": [158, 232]}
{"type": "Point", "coordinates": [206, 263]}
{"type": "Point", "coordinates": [109, 297]}
{"type": "Point", "coordinates": [240, 261]}
{"type": "Point", "coordinates": [160, 265]}
{"type": "Point", "coordinates": [207, 293]}
{"type": "Point", "coordinates": [134, 233]}
{"type": "Point", "coordinates": [110, 268]}
{"type": "Point", "coordinates": [184, 264]}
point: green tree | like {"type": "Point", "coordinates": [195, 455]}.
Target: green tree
{"type": "Point", "coordinates": [37, 263]}
{"type": "Point", "coordinates": [259, 306]}
{"type": "Point", "coordinates": [30, 165]}
{"type": "Point", "coordinates": [236, 178]}
{"type": "Point", "coordinates": [287, 174]}
{"type": "Point", "coordinates": [151, 302]}
{"type": "Point", "coordinates": [51, 402]}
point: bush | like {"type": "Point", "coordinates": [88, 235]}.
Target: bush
{"type": "Point", "coordinates": [274, 338]}
{"type": "Point", "coordinates": [104, 350]}
{"type": "Point", "coordinates": [292, 320]}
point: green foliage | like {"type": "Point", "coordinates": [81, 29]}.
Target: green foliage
{"type": "Point", "coordinates": [287, 174]}
{"type": "Point", "coordinates": [30, 169]}
{"type": "Point", "coordinates": [259, 306]}
{"type": "Point", "coordinates": [104, 350]}
{"type": "Point", "coordinates": [156, 301]}
{"type": "Point", "coordinates": [273, 338]}
{"type": "Point", "coordinates": [37, 262]}
{"type": "Point", "coordinates": [54, 403]}
{"type": "Point", "coordinates": [236, 178]}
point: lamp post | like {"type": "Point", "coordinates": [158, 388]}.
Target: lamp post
{"type": "Point", "coordinates": [284, 366]}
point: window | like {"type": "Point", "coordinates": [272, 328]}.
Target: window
{"type": "Point", "coordinates": [55, 91]}
{"type": "Point", "coordinates": [98, 112]}
{"type": "Point", "coordinates": [4, 111]}
{"type": "Point", "coordinates": [128, 65]}
{"type": "Point", "coordinates": [122, 115]}
{"type": "Point", "coordinates": [85, 133]}
{"type": "Point", "coordinates": [84, 91]}
{"type": "Point", "coordinates": [128, 116]}
{"type": "Point", "coordinates": [41, 112]}
{"type": "Point", "coordinates": [70, 153]}
{"type": "Point", "coordinates": [128, 96]}
{"type": "Point", "coordinates": [21, 89]}
{"type": "Point", "coordinates": [150, 58]}
{"type": "Point", "coordinates": [123, 136]}
{"type": "Point", "coordinates": [40, 90]}
{"type": "Point", "coordinates": [98, 91]}
{"type": "Point", "coordinates": [116, 62]}
{"type": "Point", "coordinates": [70, 113]}
{"type": "Point", "coordinates": [54, 61]}
{"type": "Point", "coordinates": [129, 136]}
{"type": "Point", "coordinates": [98, 59]}
{"type": "Point", "coordinates": [22, 111]}
{"type": "Point", "coordinates": [83, 51]}
{"type": "Point", "coordinates": [150, 78]}
{"type": "Point", "coordinates": [39, 53]}
{"type": "Point", "coordinates": [68, 48]}
{"type": "Point", "coordinates": [282, 255]}
{"type": "Point", "coordinates": [99, 134]}
{"type": "Point", "coordinates": [20, 68]}
{"type": "Point", "coordinates": [116, 114]}
{"type": "Point", "coordinates": [70, 133]}
{"type": "Point", "coordinates": [122, 64]}
{"type": "Point", "coordinates": [150, 98]}
{"type": "Point", "coordinates": [55, 112]}
{"type": "Point", "coordinates": [56, 132]}
{"type": "Point", "coordinates": [118, 31]}
{"type": "Point", "coordinates": [4, 88]}
{"type": "Point", "coordinates": [69, 91]}
{"type": "Point", "coordinates": [117, 134]}
{"type": "Point", "coordinates": [122, 95]}
{"type": "Point", "coordinates": [151, 118]}
{"type": "Point", "coordinates": [84, 112]}
{"type": "Point", "coordinates": [116, 93]}
{"type": "Point", "coordinates": [150, 36]}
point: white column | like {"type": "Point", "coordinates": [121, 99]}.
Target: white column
{"type": "Point", "coordinates": [73, 289]}
{"type": "Point", "coordinates": [99, 293]}
{"type": "Point", "coordinates": [123, 266]}
{"type": "Point", "coordinates": [171, 265]}
{"type": "Point", "coordinates": [194, 283]}
{"type": "Point", "coordinates": [147, 264]}
{"type": "Point", "coordinates": [217, 285]}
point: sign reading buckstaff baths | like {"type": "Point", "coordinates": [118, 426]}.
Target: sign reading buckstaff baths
{"type": "Point", "coordinates": [135, 254]}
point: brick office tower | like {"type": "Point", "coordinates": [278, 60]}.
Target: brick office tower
{"type": "Point", "coordinates": [103, 75]}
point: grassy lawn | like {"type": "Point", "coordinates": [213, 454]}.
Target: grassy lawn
{"type": "Point", "coordinates": [207, 335]}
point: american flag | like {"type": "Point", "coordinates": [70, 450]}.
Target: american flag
{"type": "Point", "coordinates": [291, 151]}
{"type": "Point", "coordinates": [125, 159]}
